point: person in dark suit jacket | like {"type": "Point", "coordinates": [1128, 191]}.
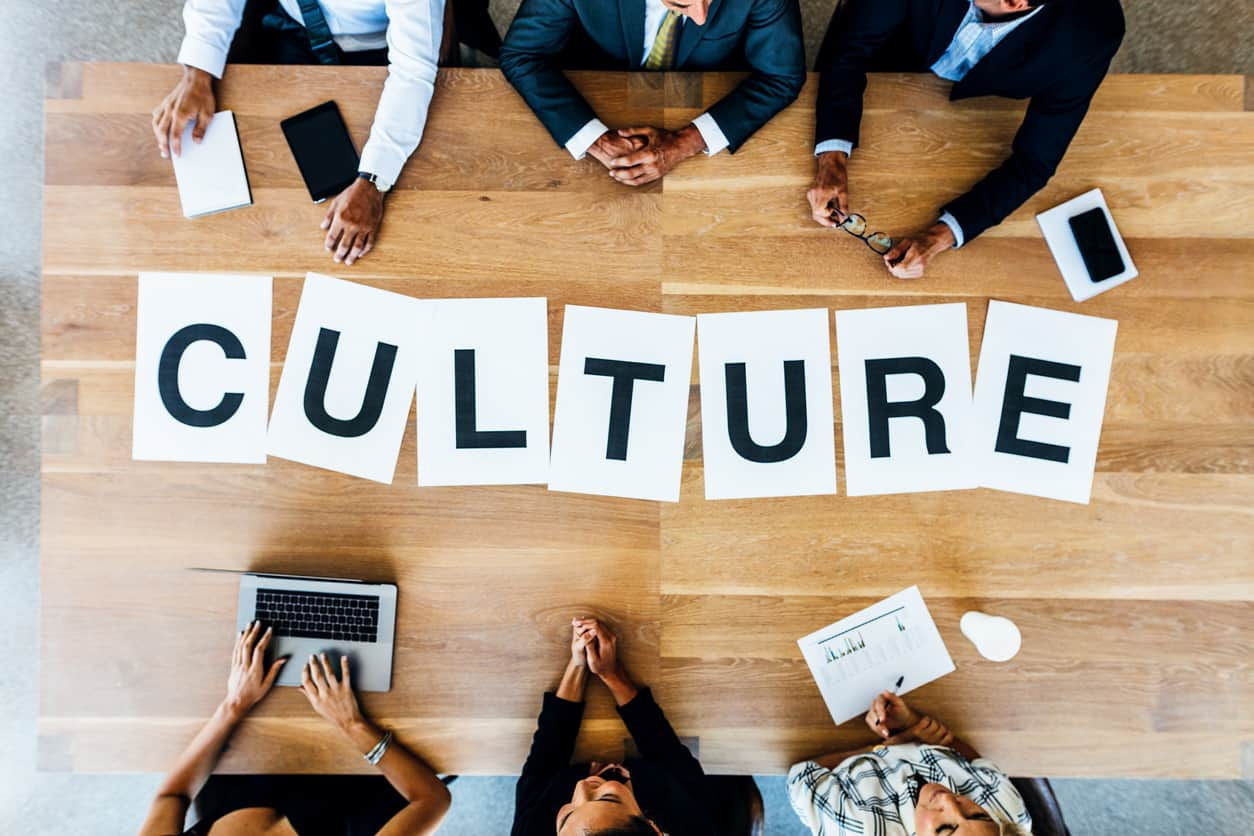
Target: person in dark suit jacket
{"type": "Point", "coordinates": [548, 36]}
{"type": "Point", "coordinates": [1054, 52]}
{"type": "Point", "coordinates": [660, 791]}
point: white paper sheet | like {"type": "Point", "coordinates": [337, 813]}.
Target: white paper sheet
{"type": "Point", "coordinates": [1056, 228]}
{"type": "Point", "coordinates": [1084, 345]}
{"type": "Point", "coordinates": [583, 453]}
{"type": "Point", "coordinates": [510, 393]}
{"type": "Point", "coordinates": [763, 343]}
{"type": "Point", "coordinates": [867, 653]}
{"type": "Point", "coordinates": [937, 336]}
{"type": "Point", "coordinates": [364, 317]}
{"type": "Point", "coordinates": [210, 173]}
{"type": "Point", "coordinates": [204, 377]}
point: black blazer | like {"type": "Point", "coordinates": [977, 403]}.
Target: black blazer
{"type": "Point", "coordinates": [1057, 59]}
{"type": "Point", "coordinates": [666, 779]}
{"type": "Point", "coordinates": [548, 36]}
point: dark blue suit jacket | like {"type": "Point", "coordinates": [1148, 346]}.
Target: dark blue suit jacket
{"type": "Point", "coordinates": [1057, 59]}
{"type": "Point", "coordinates": [548, 36]}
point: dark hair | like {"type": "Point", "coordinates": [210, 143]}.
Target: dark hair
{"type": "Point", "coordinates": [637, 826]}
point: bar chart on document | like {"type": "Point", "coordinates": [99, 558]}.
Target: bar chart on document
{"type": "Point", "coordinates": [874, 642]}
{"type": "Point", "coordinates": [892, 645]}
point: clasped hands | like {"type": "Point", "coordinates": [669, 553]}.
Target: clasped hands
{"type": "Point", "coordinates": [891, 720]}
{"type": "Point", "coordinates": [635, 156]}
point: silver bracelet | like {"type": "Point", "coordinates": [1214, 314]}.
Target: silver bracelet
{"type": "Point", "coordinates": [380, 749]}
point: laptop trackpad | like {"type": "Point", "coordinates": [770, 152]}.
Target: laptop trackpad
{"type": "Point", "coordinates": [298, 652]}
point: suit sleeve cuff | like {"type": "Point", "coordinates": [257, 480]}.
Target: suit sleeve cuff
{"type": "Point", "coordinates": [715, 139]}
{"type": "Point", "coordinates": [196, 53]}
{"type": "Point", "coordinates": [579, 144]}
{"type": "Point", "coordinates": [950, 221]}
{"type": "Point", "coordinates": [834, 145]}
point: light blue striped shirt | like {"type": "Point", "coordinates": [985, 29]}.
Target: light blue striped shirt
{"type": "Point", "coordinates": [974, 39]}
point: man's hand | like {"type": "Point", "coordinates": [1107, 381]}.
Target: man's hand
{"type": "Point", "coordinates": [249, 679]}
{"type": "Point", "coordinates": [889, 714]}
{"type": "Point", "coordinates": [830, 186]}
{"type": "Point", "coordinates": [352, 221]}
{"type": "Point", "coordinates": [662, 151]}
{"type": "Point", "coordinates": [331, 697]}
{"type": "Point", "coordinates": [910, 256]}
{"type": "Point", "coordinates": [611, 145]}
{"type": "Point", "coordinates": [191, 100]}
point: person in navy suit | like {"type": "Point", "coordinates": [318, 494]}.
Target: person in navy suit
{"type": "Point", "coordinates": [549, 36]}
{"type": "Point", "coordinates": [1053, 52]}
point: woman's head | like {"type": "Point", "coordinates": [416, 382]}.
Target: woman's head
{"type": "Point", "coordinates": [603, 804]}
{"type": "Point", "coordinates": [940, 812]}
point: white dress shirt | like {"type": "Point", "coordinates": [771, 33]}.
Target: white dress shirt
{"type": "Point", "coordinates": [413, 28]}
{"type": "Point", "coordinates": [974, 39]}
{"type": "Point", "coordinates": [715, 140]}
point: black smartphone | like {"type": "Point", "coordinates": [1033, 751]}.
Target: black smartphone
{"type": "Point", "coordinates": [323, 150]}
{"type": "Point", "coordinates": [1097, 244]}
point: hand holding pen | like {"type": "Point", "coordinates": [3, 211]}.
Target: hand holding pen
{"type": "Point", "coordinates": [889, 714]}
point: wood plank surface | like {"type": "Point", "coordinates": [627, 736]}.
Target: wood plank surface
{"type": "Point", "coordinates": [1137, 610]}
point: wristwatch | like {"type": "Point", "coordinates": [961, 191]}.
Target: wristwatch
{"type": "Point", "coordinates": [379, 183]}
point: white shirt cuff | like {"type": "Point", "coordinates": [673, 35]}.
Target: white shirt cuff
{"type": "Point", "coordinates": [950, 221]}
{"type": "Point", "coordinates": [715, 139]}
{"type": "Point", "coordinates": [579, 144]}
{"type": "Point", "coordinates": [196, 53]}
{"type": "Point", "coordinates": [834, 145]}
{"type": "Point", "coordinates": [376, 160]}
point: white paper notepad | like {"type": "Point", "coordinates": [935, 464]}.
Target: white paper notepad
{"type": "Point", "coordinates": [1057, 231]}
{"type": "Point", "coordinates": [211, 174]}
{"type": "Point", "coordinates": [859, 657]}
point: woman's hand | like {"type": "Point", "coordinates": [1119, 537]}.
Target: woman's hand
{"type": "Point", "coordinates": [602, 650]}
{"type": "Point", "coordinates": [191, 100]}
{"type": "Point", "coordinates": [889, 714]}
{"type": "Point", "coordinates": [579, 639]}
{"type": "Point", "coordinates": [926, 730]}
{"type": "Point", "coordinates": [601, 647]}
{"type": "Point", "coordinates": [332, 698]}
{"type": "Point", "coordinates": [249, 680]}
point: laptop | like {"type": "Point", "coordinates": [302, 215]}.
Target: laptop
{"type": "Point", "coordinates": [335, 616]}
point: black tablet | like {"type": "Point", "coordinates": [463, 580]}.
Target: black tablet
{"type": "Point", "coordinates": [323, 150]}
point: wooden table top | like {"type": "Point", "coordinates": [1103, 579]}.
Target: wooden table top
{"type": "Point", "coordinates": [1135, 610]}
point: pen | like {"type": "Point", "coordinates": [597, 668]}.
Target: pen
{"type": "Point", "coordinates": [893, 690]}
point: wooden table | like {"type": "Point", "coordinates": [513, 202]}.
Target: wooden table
{"type": "Point", "coordinates": [1136, 610]}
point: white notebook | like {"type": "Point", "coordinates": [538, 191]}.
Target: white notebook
{"type": "Point", "coordinates": [211, 174]}
{"type": "Point", "coordinates": [1062, 245]}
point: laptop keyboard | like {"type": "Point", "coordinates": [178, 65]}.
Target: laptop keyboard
{"type": "Point", "coordinates": [319, 615]}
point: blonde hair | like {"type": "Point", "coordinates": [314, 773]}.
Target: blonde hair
{"type": "Point", "coordinates": [1012, 829]}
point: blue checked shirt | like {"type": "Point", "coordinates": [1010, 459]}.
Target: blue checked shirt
{"type": "Point", "coordinates": [974, 39]}
{"type": "Point", "coordinates": [872, 795]}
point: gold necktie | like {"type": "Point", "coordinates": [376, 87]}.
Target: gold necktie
{"type": "Point", "coordinates": [662, 55]}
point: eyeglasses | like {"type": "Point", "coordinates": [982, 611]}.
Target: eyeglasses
{"type": "Point", "coordinates": [879, 242]}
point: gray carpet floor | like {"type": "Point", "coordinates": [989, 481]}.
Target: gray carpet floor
{"type": "Point", "coordinates": [1164, 36]}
